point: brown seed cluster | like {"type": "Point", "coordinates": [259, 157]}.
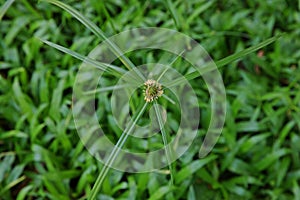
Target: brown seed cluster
{"type": "Point", "coordinates": [152, 90]}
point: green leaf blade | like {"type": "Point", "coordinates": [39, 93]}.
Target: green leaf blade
{"type": "Point", "coordinates": [5, 7]}
{"type": "Point", "coordinates": [98, 32]}
{"type": "Point", "coordinates": [211, 65]}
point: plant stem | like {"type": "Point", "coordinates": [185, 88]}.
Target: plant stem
{"type": "Point", "coordinates": [165, 140]}
{"type": "Point", "coordinates": [114, 154]}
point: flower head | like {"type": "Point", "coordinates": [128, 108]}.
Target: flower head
{"type": "Point", "coordinates": [152, 90]}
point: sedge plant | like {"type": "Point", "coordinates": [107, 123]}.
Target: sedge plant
{"type": "Point", "coordinates": [152, 89]}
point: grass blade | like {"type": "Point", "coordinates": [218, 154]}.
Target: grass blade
{"type": "Point", "coordinates": [168, 99]}
{"type": "Point", "coordinates": [107, 15]}
{"type": "Point", "coordinates": [115, 153]}
{"type": "Point", "coordinates": [117, 71]}
{"type": "Point", "coordinates": [165, 140]}
{"type": "Point", "coordinates": [12, 184]}
{"type": "Point", "coordinates": [99, 33]}
{"type": "Point", "coordinates": [162, 74]}
{"type": "Point", "coordinates": [5, 7]}
{"type": "Point", "coordinates": [160, 193]}
{"type": "Point", "coordinates": [245, 52]}
{"type": "Point", "coordinates": [210, 66]}
{"type": "Point", "coordinates": [198, 11]}
{"type": "Point", "coordinates": [192, 168]}
{"type": "Point", "coordinates": [99, 65]}
{"type": "Point", "coordinates": [107, 89]}
{"type": "Point", "coordinates": [169, 65]}
{"type": "Point", "coordinates": [174, 13]}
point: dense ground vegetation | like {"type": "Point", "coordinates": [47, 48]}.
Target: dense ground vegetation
{"type": "Point", "coordinates": [258, 153]}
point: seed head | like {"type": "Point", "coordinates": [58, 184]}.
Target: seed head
{"type": "Point", "coordinates": [152, 90]}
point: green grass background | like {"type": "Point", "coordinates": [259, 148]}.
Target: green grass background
{"type": "Point", "coordinates": [257, 155]}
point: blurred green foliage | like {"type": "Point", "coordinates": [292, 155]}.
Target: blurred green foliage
{"type": "Point", "coordinates": [257, 155]}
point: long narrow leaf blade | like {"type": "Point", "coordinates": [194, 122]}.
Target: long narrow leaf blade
{"type": "Point", "coordinates": [117, 71]}
{"type": "Point", "coordinates": [245, 52]}
{"type": "Point", "coordinates": [107, 89]}
{"type": "Point", "coordinates": [5, 7]}
{"type": "Point", "coordinates": [174, 14]}
{"type": "Point", "coordinates": [101, 66]}
{"type": "Point", "coordinates": [98, 32]}
{"type": "Point", "coordinates": [115, 153]}
{"type": "Point", "coordinates": [211, 66]}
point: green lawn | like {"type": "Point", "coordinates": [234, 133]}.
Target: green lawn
{"type": "Point", "coordinates": [256, 46]}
